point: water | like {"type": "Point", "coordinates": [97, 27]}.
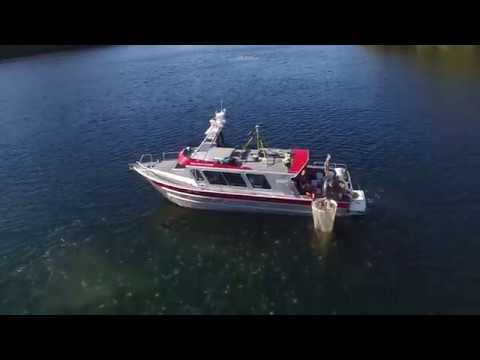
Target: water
{"type": "Point", "coordinates": [79, 233]}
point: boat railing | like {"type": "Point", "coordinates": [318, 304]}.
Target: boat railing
{"type": "Point", "coordinates": [146, 156]}
{"type": "Point", "coordinates": [141, 162]}
{"type": "Point", "coordinates": [331, 165]}
{"type": "Point", "coordinates": [146, 160]}
{"type": "Point", "coordinates": [338, 165]}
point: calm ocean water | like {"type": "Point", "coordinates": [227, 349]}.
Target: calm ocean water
{"type": "Point", "coordinates": [80, 234]}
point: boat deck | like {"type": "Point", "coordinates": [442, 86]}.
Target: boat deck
{"type": "Point", "coordinates": [250, 158]}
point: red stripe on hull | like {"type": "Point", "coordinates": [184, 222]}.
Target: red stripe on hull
{"type": "Point", "coordinates": [305, 202]}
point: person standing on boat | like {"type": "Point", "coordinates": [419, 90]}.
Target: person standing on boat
{"type": "Point", "coordinates": [303, 185]}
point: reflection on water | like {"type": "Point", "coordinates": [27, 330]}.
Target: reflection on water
{"type": "Point", "coordinates": [180, 261]}
{"type": "Point", "coordinates": [447, 59]}
{"type": "Point", "coordinates": [321, 242]}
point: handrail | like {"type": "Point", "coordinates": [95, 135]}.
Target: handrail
{"type": "Point", "coordinates": [331, 165]}
{"type": "Point", "coordinates": [143, 155]}
{"type": "Point", "coordinates": [164, 156]}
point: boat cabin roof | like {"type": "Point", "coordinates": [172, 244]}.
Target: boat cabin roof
{"type": "Point", "coordinates": [271, 160]}
{"type": "Point", "coordinates": [214, 153]}
{"type": "Point", "coordinates": [268, 160]}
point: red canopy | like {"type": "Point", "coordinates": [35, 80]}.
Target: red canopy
{"type": "Point", "coordinates": [299, 160]}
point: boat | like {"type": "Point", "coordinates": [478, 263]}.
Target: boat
{"type": "Point", "coordinates": [253, 178]}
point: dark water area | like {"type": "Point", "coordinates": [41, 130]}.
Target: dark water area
{"type": "Point", "coordinates": [80, 234]}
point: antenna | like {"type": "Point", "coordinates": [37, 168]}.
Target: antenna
{"type": "Point", "coordinates": [221, 105]}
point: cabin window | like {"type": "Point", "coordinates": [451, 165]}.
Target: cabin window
{"type": "Point", "coordinates": [258, 181]}
{"type": "Point", "coordinates": [234, 179]}
{"type": "Point", "coordinates": [197, 175]}
{"type": "Point", "coordinates": [215, 178]}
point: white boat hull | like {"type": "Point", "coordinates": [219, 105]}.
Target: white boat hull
{"type": "Point", "coordinates": [213, 203]}
{"type": "Point", "coordinates": [183, 192]}
{"type": "Point", "coordinates": [202, 202]}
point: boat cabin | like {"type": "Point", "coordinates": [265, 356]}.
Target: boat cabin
{"type": "Point", "coordinates": [281, 171]}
